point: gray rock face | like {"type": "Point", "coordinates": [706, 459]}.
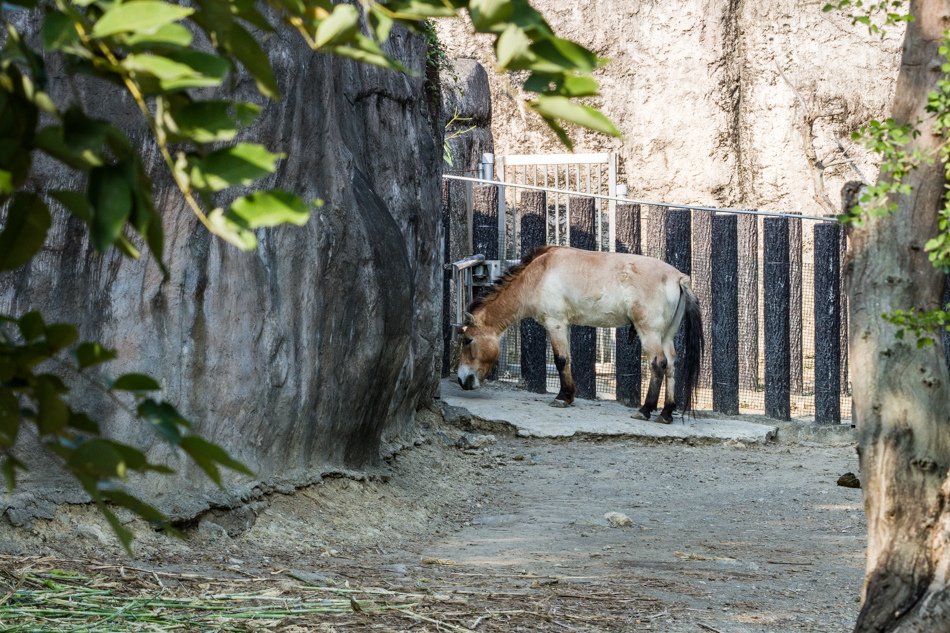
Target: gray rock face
{"type": "Point", "coordinates": [304, 354]}
{"type": "Point", "coordinates": [709, 94]}
{"type": "Point", "coordinates": [465, 98]}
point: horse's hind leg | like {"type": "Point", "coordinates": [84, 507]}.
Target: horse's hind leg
{"type": "Point", "coordinates": [657, 369]}
{"type": "Point", "coordinates": [666, 415]}
{"type": "Point", "coordinates": [560, 345]}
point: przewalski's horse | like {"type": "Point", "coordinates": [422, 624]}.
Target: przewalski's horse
{"type": "Point", "coordinates": [560, 286]}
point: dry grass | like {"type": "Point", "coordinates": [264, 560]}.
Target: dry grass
{"type": "Point", "coordinates": [52, 594]}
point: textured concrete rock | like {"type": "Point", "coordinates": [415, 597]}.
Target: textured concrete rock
{"type": "Point", "coordinates": [707, 94]}
{"type": "Point", "coordinates": [303, 354]}
{"type": "Point", "coordinates": [465, 98]}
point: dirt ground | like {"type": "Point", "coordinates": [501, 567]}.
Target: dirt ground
{"type": "Point", "coordinates": [466, 534]}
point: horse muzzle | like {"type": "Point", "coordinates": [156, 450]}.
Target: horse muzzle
{"type": "Point", "coordinates": [468, 379]}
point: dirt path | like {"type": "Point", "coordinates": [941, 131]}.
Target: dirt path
{"type": "Point", "coordinates": [511, 536]}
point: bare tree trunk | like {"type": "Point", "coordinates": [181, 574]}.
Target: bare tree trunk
{"type": "Point", "coordinates": [901, 393]}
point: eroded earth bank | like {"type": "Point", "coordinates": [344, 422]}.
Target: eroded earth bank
{"type": "Point", "coordinates": [460, 532]}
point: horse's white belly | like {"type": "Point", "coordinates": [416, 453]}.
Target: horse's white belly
{"type": "Point", "coordinates": [606, 308]}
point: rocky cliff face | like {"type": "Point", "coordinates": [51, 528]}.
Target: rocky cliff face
{"type": "Point", "coordinates": [724, 102]}
{"type": "Point", "coordinates": [302, 356]}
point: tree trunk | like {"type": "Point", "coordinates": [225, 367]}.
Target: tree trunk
{"type": "Point", "coordinates": [901, 393]}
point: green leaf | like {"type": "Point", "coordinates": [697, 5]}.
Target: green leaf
{"type": "Point", "coordinates": [10, 465]}
{"type": "Point", "coordinates": [137, 506]}
{"type": "Point", "coordinates": [60, 335]}
{"type": "Point", "coordinates": [211, 121]}
{"type": "Point", "coordinates": [241, 164]}
{"type": "Point", "coordinates": [82, 422]}
{"type": "Point", "coordinates": [28, 221]}
{"type": "Point", "coordinates": [51, 140]}
{"type": "Point", "coordinates": [512, 45]}
{"type": "Point", "coordinates": [111, 198]}
{"type": "Point", "coordinates": [169, 36]}
{"type": "Point", "coordinates": [142, 16]}
{"type": "Point", "coordinates": [31, 326]}
{"type": "Point", "coordinates": [58, 31]}
{"type": "Point", "coordinates": [98, 458]}
{"type": "Point", "coordinates": [270, 208]}
{"type": "Point", "coordinates": [75, 203]}
{"type": "Point", "coordinates": [165, 419]}
{"type": "Point", "coordinates": [339, 27]}
{"type": "Point", "coordinates": [136, 382]}
{"type": "Point", "coordinates": [53, 414]}
{"type": "Point", "coordinates": [486, 14]}
{"type": "Point", "coordinates": [232, 231]}
{"type": "Point", "coordinates": [246, 50]}
{"type": "Point", "coordinates": [208, 455]}
{"type": "Point", "coordinates": [122, 533]}
{"type": "Point", "coordinates": [557, 107]}
{"type": "Point", "coordinates": [89, 354]}
{"type": "Point", "coordinates": [9, 418]}
{"type": "Point", "coordinates": [180, 70]}
{"type": "Point", "coordinates": [366, 51]}
{"type": "Point", "coordinates": [555, 54]}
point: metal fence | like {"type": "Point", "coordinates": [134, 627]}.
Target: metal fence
{"type": "Point", "coordinates": [787, 324]}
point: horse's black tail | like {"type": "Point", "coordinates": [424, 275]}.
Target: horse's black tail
{"type": "Point", "coordinates": [693, 343]}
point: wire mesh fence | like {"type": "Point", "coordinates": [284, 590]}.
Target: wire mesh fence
{"type": "Point", "coordinates": [551, 197]}
{"type": "Point", "coordinates": [752, 302]}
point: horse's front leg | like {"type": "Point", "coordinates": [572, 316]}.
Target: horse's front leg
{"type": "Point", "coordinates": [560, 345]}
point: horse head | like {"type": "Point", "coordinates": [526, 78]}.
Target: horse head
{"type": "Point", "coordinates": [479, 353]}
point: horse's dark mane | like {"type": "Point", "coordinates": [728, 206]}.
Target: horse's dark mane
{"type": "Point", "coordinates": [510, 275]}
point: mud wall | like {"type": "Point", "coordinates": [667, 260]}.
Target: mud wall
{"type": "Point", "coordinates": [725, 102]}
{"type": "Point", "coordinates": [304, 356]}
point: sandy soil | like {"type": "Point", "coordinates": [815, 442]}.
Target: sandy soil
{"type": "Point", "coordinates": [511, 536]}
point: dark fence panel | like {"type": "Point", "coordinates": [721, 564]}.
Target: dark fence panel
{"type": "Point", "coordinates": [583, 338]}
{"type": "Point", "coordinates": [725, 314]}
{"type": "Point", "coordinates": [827, 325]}
{"type": "Point", "coordinates": [679, 254]}
{"type": "Point", "coordinates": [776, 279]}
{"type": "Point", "coordinates": [533, 336]}
{"type": "Point", "coordinates": [628, 348]}
{"type": "Point", "coordinates": [485, 220]}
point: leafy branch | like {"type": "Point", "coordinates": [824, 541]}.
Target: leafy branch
{"type": "Point", "coordinates": [146, 50]}
{"type": "Point", "coordinates": [889, 141]}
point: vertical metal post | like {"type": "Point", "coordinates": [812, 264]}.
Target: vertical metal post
{"type": "Point", "coordinates": [678, 253]}
{"type": "Point", "coordinates": [725, 314]}
{"type": "Point", "coordinates": [776, 278]}
{"type": "Point", "coordinates": [534, 371]}
{"type": "Point", "coordinates": [583, 339]}
{"type": "Point", "coordinates": [827, 324]}
{"type": "Point", "coordinates": [628, 348]}
{"type": "Point", "coordinates": [614, 190]}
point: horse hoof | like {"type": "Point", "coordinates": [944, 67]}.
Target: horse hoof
{"type": "Point", "coordinates": [639, 415]}
{"type": "Point", "coordinates": [665, 419]}
{"type": "Point", "coordinates": [560, 404]}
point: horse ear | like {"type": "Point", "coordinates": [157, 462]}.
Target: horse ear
{"type": "Point", "coordinates": [468, 319]}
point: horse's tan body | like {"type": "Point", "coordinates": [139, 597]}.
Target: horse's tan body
{"type": "Point", "coordinates": [559, 286]}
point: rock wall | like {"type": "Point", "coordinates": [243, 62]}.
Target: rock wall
{"type": "Point", "coordinates": [305, 355]}
{"type": "Point", "coordinates": [714, 96]}
{"type": "Point", "coordinates": [467, 119]}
